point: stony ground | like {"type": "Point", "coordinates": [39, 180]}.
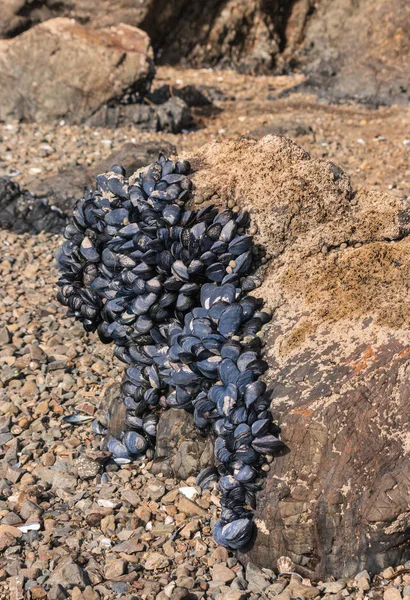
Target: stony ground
{"type": "Point", "coordinates": [108, 532]}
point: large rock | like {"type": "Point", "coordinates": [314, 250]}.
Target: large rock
{"type": "Point", "coordinates": [59, 69]}
{"type": "Point", "coordinates": [329, 41]}
{"type": "Point", "coordinates": [337, 500]}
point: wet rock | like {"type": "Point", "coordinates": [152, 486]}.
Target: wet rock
{"type": "Point", "coordinates": [91, 67]}
{"type": "Point", "coordinates": [193, 96]}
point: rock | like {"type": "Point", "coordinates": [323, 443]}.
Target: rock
{"type": "Point", "coordinates": [171, 117]}
{"type": "Point", "coordinates": [339, 336]}
{"type": "Point", "coordinates": [115, 569]}
{"type": "Point", "coordinates": [221, 572]}
{"type": "Point", "coordinates": [30, 509]}
{"type": "Point", "coordinates": [63, 481]}
{"type": "Point", "coordinates": [87, 468]}
{"type": "Point", "coordinates": [363, 584]}
{"type": "Point", "coordinates": [180, 452]}
{"type": "Point", "coordinates": [193, 96]}
{"type": "Point", "coordinates": [282, 127]}
{"type": "Point", "coordinates": [333, 587]}
{"type": "Point", "coordinates": [68, 574]}
{"type": "Point", "coordinates": [38, 592]}
{"type": "Point", "coordinates": [368, 31]}
{"type": "Point", "coordinates": [191, 508]}
{"type": "Point", "coordinates": [155, 561]}
{"type": "Point", "coordinates": [5, 337]}
{"type": "Point", "coordinates": [57, 592]}
{"type": "Point", "coordinates": [20, 211]}
{"type": "Point", "coordinates": [91, 67]}
{"type": "Point", "coordinates": [392, 593]}
{"type": "Point", "coordinates": [257, 580]}
{"type": "Point", "coordinates": [180, 593]}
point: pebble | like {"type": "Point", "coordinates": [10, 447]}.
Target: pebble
{"type": "Point", "coordinates": [155, 561]}
{"type": "Point", "coordinates": [392, 593]}
{"type": "Point", "coordinates": [220, 572]}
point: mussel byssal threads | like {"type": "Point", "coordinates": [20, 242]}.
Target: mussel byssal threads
{"type": "Point", "coordinates": [169, 287]}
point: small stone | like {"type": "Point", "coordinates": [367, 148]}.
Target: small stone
{"type": "Point", "coordinates": [155, 561]}
{"type": "Point", "coordinates": [5, 336]}
{"type": "Point", "coordinates": [220, 572]}
{"type": "Point", "coordinates": [191, 508]}
{"type": "Point", "coordinates": [69, 574]}
{"type": "Point", "coordinates": [257, 581]}
{"type": "Point", "coordinates": [362, 574]}
{"type": "Point", "coordinates": [87, 468]}
{"type": "Point", "coordinates": [132, 497]}
{"type": "Point", "coordinates": [180, 593]}
{"type": "Point", "coordinates": [235, 595]}
{"type": "Point", "coordinates": [38, 592]}
{"type": "Point", "coordinates": [120, 588]}
{"type": "Point", "coordinates": [363, 584]}
{"type": "Point", "coordinates": [333, 587]}
{"type": "Point", "coordinates": [154, 490]}
{"type": "Point", "coordinates": [392, 593]}
{"type": "Point", "coordinates": [406, 590]}
{"type": "Point", "coordinates": [30, 509]}
{"type": "Point", "coordinates": [115, 569]}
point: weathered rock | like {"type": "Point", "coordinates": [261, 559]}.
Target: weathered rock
{"type": "Point", "coordinates": [180, 451]}
{"type": "Point", "coordinates": [329, 42]}
{"type": "Point", "coordinates": [91, 67]}
{"type": "Point", "coordinates": [336, 500]}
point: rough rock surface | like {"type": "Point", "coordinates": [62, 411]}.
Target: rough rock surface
{"type": "Point", "coordinates": [337, 33]}
{"type": "Point", "coordinates": [337, 500]}
{"type": "Point", "coordinates": [91, 67]}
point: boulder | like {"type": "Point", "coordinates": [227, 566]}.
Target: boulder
{"type": "Point", "coordinates": [62, 70]}
{"type": "Point", "coordinates": [336, 500]}
{"type": "Point", "coordinates": [328, 43]}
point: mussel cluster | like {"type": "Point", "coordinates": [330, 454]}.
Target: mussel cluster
{"type": "Point", "coordinates": [169, 287]}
